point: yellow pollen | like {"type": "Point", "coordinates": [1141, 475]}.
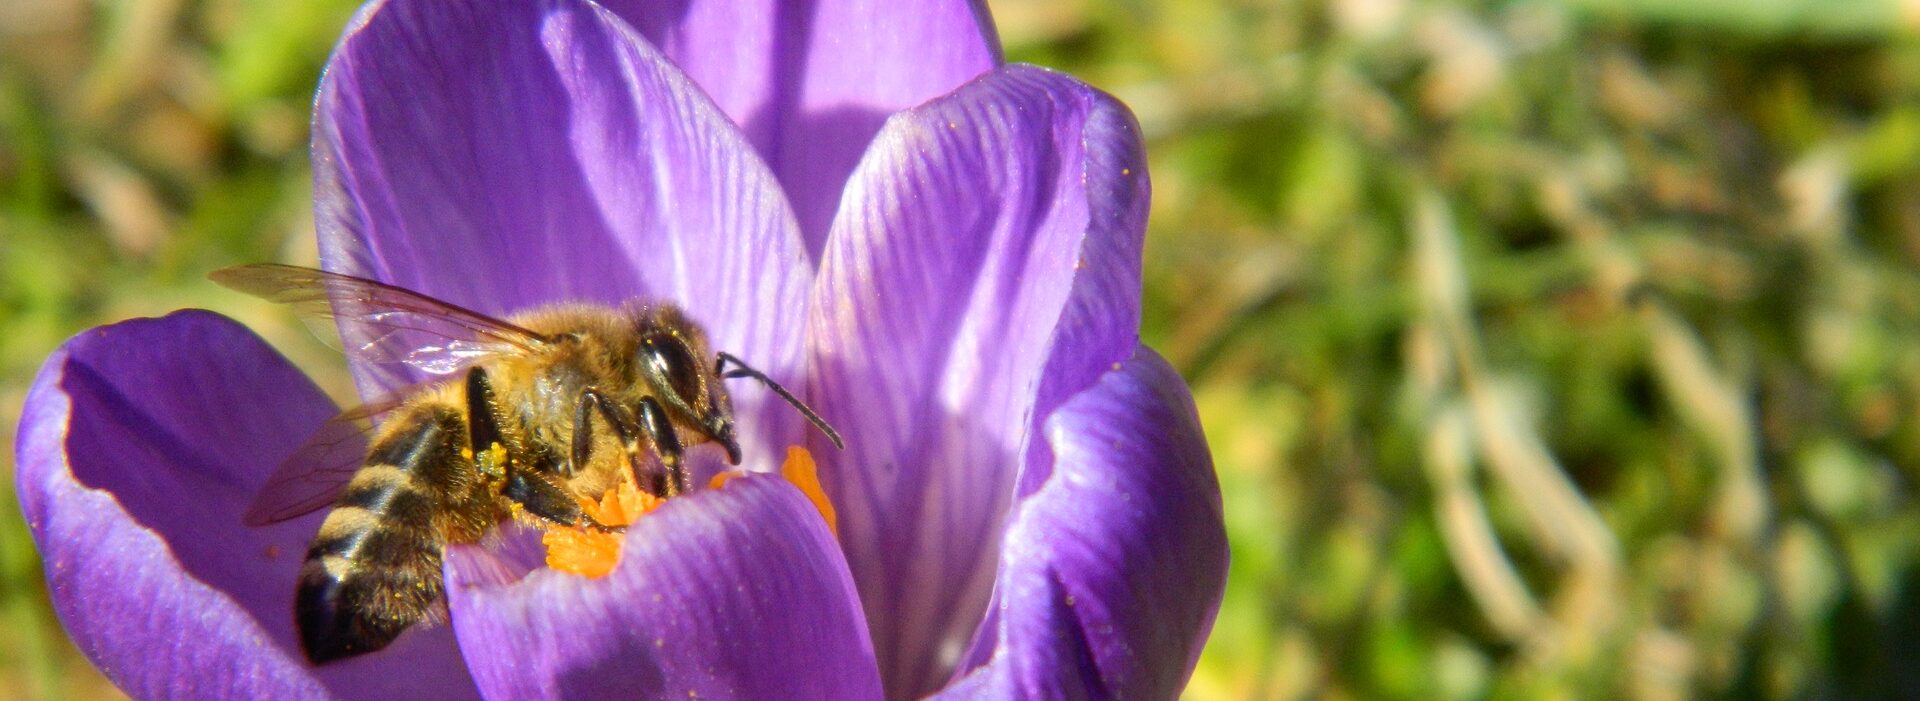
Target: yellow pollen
{"type": "Point", "coordinates": [591, 553]}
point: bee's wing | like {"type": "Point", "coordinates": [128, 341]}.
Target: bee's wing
{"type": "Point", "coordinates": [316, 473]}
{"type": "Point", "coordinates": [390, 324]}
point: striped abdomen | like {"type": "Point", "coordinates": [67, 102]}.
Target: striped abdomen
{"type": "Point", "coordinates": [374, 568]}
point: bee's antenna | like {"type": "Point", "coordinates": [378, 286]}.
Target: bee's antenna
{"type": "Point", "coordinates": [743, 370]}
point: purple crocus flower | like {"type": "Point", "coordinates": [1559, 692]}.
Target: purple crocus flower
{"type": "Point", "coordinates": [940, 251]}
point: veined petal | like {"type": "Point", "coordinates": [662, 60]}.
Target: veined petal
{"type": "Point", "coordinates": [733, 593]}
{"type": "Point", "coordinates": [140, 446]}
{"type": "Point", "coordinates": [984, 266]}
{"type": "Point", "coordinates": [811, 81]}
{"type": "Point", "coordinates": [505, 155]}
{"type": "Point", "coordinates": [1112, 569]}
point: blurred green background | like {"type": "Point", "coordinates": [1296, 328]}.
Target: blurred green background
{"type": "Point", "coordinates": [1548, 349]}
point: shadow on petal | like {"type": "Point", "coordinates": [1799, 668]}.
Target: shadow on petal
{"type": "Point", "coordinates": [810, 81]}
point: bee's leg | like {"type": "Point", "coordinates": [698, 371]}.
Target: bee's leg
{"type": "Point", "coordinates": [653, 419]}
{"type": "Point", "coordinates": [593, 402]}
{"type": "Point", "coordinates": [583, 431]}
{"type": "Point", "coordinates": [483, 424]}
{"type": "Point", "coordinates": [528, 488]}
{"type": "Point", "coordinates": [546, 500]}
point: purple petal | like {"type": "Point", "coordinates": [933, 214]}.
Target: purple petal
{"type": "Point", "coordinates": [511, 154]}
{"type": "Point", "coordinates": [1112, 570]}
{"type": "Point", "coordinates": [811, 81]}
{"type": "Point", "coordinates": [985, 267]}
{"type": "Point", "coordinates": [140, 446]}
{"type": "Point", "coordinates": [736, 593]}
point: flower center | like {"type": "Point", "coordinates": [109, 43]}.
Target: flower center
{"type": "Point", "coordinates": [590, 553]}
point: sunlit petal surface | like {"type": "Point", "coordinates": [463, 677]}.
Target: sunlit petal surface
{"type": "Point", "coordinates": [984, 267]}
{"type": "Point", "coordinates": [507, 155]}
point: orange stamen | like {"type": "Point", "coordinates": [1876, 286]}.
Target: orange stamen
{"type": "Point", "coordinates": [801, 471]}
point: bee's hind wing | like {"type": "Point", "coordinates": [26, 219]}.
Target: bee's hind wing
{"type": "Point", "coordinates": [314, 475]}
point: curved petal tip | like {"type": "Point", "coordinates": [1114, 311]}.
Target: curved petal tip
{"type": "Point", "coordinates": [140, 445]}
{"type": "Point", "coordinates": [1112, 570]}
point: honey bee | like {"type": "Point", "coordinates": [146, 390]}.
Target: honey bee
{"type": "Point", "coordinates": [551, 404]}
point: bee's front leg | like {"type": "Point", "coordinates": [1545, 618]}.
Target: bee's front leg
{"type": "Point", "coordinates": [593, 403]}
{"type": "Point", "coordinates": [666, 442]}
{"type": "Point", "coordinates": [531, 490]}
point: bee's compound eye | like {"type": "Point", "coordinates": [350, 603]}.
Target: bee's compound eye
{"type": "Point", "coordinates": [668, 358]}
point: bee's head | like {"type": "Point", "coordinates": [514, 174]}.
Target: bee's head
{"type": "Point", "coordinates": [670, 352]}
{"type": "Point", "coordinates": [669, 359]}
